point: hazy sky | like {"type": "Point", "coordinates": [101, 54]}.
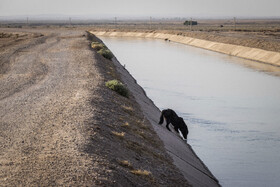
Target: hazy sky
{"type": "Point", "coordinates": [135, 8]}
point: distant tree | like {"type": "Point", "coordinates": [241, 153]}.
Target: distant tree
{"type": "Point", "coordinates": [190, 22]}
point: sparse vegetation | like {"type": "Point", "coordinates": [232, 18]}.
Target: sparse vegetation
{"type": "Point", "coordinates": [127, 108]}
{"type": "Point", "coordinates": [102, 50]}
{"type": "Point", "coordinates": [126, 124]}
{"type": "Point", "coordinates": [118, 134]}
{"type": "Point", "coordinates": [141, 172]}
{"type": "Point", "coordinates": [126, 164]}
{"type": "Point", "coordinates": [138, 172]}
{"type": "Point", "coordinates": [117, 87]}
{"type": "Point", "coordinates": [97, 46]}
{"type": "Point", "coordinates": [106, 53]}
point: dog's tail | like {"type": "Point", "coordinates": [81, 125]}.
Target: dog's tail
{"type": "Point", "coordinates": [161, 119]}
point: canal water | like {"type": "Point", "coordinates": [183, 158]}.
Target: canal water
{"type": "Point", "coordinates": [232, 111]}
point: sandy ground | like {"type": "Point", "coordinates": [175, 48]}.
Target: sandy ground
{"type": "Point", "coordinates": [59, 124]}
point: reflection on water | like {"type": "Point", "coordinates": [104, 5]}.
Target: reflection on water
{"type": "Point", "coordinates": [233, 112]}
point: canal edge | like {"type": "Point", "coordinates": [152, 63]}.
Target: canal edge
{"type": "Point", "coordinates": [254, 54]}
{"type": "Point", "coordinates": [192, 167]}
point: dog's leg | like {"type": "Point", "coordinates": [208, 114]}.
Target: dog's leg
{"type": "Point", "coordinates": [161, 119]}
{"type": "Point", "coordinates": [176, 128]}
{"type": "Point", "coordinates": [185, 133]}
{"type": "Point", "coordinates": [184, 128]}
{"type": "Point", "coordinates": [167, 124]}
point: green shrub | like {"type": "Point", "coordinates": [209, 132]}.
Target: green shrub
{"type": "Point", "coordinates": [97, 46]}
{"type": "Point", "coordinates": [102, 50]}
{"type": "Point", "coordinates": [117, 87]}
{"type": "Point", "coordinates": [106, 53]}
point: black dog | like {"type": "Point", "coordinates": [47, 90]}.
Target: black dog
{"type": "Point", "coordinates": [171, 117]}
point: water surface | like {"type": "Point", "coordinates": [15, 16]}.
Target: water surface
{"type": "Point", "coordinates": [232, 111]}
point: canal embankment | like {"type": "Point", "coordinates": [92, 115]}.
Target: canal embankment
{"type": "Point", "coordinates": [255, 54]}
{"type": "Point", "coordinates": [184, 158]}
{"type": "Point", "coordinates": [230, 108]}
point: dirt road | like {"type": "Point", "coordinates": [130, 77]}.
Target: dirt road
{"type": "Point", "coordinates": [44, 104]}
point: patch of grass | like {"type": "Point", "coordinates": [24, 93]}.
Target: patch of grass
{"type": "Point", "coordinates": [141, 172]}
{"type": "Point", "coordinates": [136, 147]}
{"type": "Point", "coordinates": [117, 87]}
{"type": "Point", "coordinates": [118, 134]}
{"type": "Point", "coordinates": [102, 50]}
{"type": "Point", "coordinates": [126, 164]}
{"type": "Point", "coordinates": [141, 134]}
{"type": "Point", "coordinates": [128, 109]}
{"type": "Point", "coordinates": [97, 46]}
{"type": "Point", "coordinates": [106, 53]}
{"type": "Point", "coordinates": [138, 172]}
{"type": "Point", "coordinates": [142, 125]}
{"type": "Point", "coordinates": [126, 124]}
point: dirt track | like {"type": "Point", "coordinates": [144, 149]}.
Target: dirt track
{"type": "Point", "coordinates": [44, 104]}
